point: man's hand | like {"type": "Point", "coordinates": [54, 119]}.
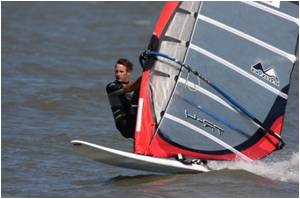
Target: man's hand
{"type": "Point", "coordinates": [131, 87]}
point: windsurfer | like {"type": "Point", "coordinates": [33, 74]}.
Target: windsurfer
{"type": "Point", "coordinates": [123, 98]}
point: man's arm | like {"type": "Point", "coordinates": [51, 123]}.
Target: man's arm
{"type": "Point", "coordinates": [133, 86]}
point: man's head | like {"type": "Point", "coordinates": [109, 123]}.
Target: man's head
{"type": "Point", "coordinates": [123, 70]}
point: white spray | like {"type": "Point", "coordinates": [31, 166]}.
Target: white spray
{"type": "Point", "coordinates": [286, 170]}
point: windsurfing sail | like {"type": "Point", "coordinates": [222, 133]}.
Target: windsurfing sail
{"type": "Point", "coordinates": [216, 80]}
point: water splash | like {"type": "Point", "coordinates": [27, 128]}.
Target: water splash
{"type": "Point", "coordinates": [285, 170]}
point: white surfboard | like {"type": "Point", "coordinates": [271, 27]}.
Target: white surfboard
{"type": "Point", "coordinates": [134, 161]}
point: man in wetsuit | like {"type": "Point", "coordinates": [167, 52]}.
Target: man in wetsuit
{"type": "Point", "coordinates": [123, 98]}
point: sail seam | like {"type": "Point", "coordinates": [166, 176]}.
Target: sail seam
{"type": "Point", "coordinates": [205, 92]}
{"type": "Point", "coordinates": [248, 37]}
{"type": "Point", "coordinates": [272, 11]}
{"type": "Point", "coordinates": [204, 133]}
{"type": "Point", "coordinates": [238, 70]}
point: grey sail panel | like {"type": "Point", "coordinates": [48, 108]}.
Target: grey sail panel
{"type": "Point", "coordinates": [210, 116]}
{"type": "Point", "coordinates": [265, 26]}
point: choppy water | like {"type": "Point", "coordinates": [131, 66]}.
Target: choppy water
{"type": "Point", "coordinates": [56, 60]}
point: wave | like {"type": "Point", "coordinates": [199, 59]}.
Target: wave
{"type": "Point", "coordinates": [285, 170]}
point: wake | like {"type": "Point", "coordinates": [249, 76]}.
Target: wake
{"type": "Point", "coordinates": [286, 170]}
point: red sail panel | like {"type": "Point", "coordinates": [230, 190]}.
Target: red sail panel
{"type": "Point", "coordinates": [267, 144]}
{"type": "Point", "coordinates": [145, 124]}
{"type": "Point", "coordinates": [161, 148]}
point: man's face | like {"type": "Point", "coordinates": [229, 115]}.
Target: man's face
{"type": "Point", "coordinates": [121, 73]}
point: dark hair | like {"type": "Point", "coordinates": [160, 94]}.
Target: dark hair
{"type": "Point", "coordinates": [126, 63]}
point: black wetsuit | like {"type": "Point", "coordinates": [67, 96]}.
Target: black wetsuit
{"type": "Point", "coordinates": [124, 108]}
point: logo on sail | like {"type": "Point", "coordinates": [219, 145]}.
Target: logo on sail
{"type": "Point", "coordinates": [268, 74]}
{"type": "Point", "coordinates": [206, 123]}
